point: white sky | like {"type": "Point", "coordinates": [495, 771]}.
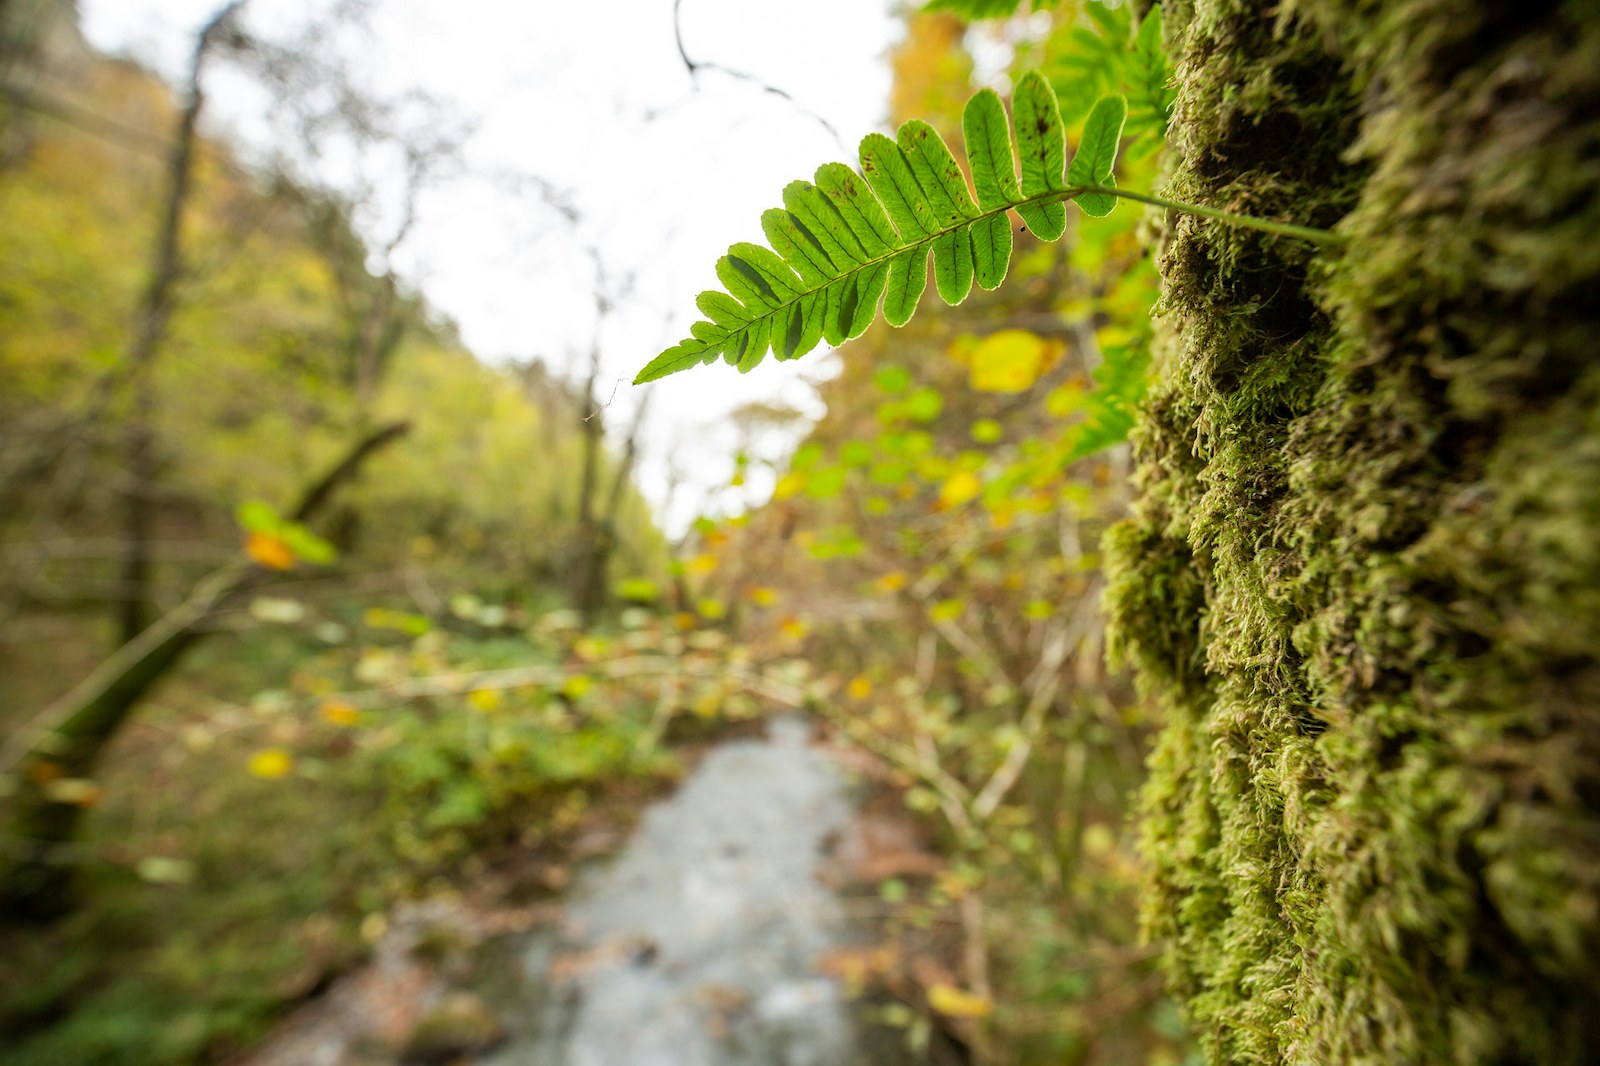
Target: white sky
{"type": "Point", "coordinates": [666, 171]}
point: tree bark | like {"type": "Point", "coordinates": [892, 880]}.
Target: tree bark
{"type": "Point", "coordinates": [1362, 578]}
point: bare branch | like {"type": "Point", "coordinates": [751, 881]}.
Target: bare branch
{"type": "Point", "coordinates": [695, 66]}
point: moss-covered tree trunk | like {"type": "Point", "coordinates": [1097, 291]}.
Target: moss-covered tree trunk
{"type": "Point", "coordinates": [1363, 576]}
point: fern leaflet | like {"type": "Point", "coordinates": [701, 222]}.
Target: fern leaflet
{"type": "Point", "coordinates": [847, 241]}
{"type": "Point", "coordinates": [978, 9]}
{"type": "Point", "coordinates": [1150, 96]}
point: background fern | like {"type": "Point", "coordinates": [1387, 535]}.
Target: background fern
{"type": "Point", "coordinates": [982, 9]}
{"type": "Point", "coordinates": [1106, 51]}
{"type": "Point", "coordinates": [844, 243]}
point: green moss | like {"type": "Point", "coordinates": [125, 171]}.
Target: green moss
{"type": "Point", "coordinates": [1363, 577]}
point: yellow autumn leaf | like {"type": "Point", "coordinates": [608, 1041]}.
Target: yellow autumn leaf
{"type": "Point", "coordinates": [953, 884]}
{"type": "Point", "coordinates": [952, 1002]}
{"type": "Point", "coordinates": [74, 791]}
{"type": "Point", "coordinates": [1065, 400]}
{"type": "Point", "coordinates": [961, 487]}
{"type": "Point", "coordinates": [271, 763]}
{"type": "Point", "coordinates": [590, 649]}
{"type": "Point", "coordinates": [1010, 360]}
{"type": "Point", "coordinates": [269, 551]}
{"type": "Point", "coordinates": [577, 686]}
{"type": "Point", "coordinates": [795, 628]}
{"type": "Point", "coordinates": [859, 688]}
{"type": "Point", "coordinates": [484, 699]}
{"type": "Point", "coordinates": [762, 596]}
{"type": "Point", "coordinates": [788, 485]}
{"type": "Point", "coordinates": [946, 610]}
{"type": "Point", "coordinates": [1098, 840]}
{"type": "Point", "coordinates": [339, 712]}
{"type": "Point", "coordinates": [703, 564]}
{"type": "Point", "coordinates": [893, 581]}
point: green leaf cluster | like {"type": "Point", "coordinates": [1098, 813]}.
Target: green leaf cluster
{"type": "Point", "coordinates": [848, 241]}
{"type": "Point", "coordinates": [256, 516]}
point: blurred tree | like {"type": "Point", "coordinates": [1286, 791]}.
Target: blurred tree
{"type": "Point", "coordinates": [63, 746]}
{"type": "Point", "coordinates": [155, 311]}
{"type": "Point", "coordinates": [270, 342]}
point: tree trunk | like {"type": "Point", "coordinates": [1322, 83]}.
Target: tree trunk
{"type": "Point", "coordinates": [1363, 576]}
{"type": "Point", "coordinates": [155, 311]}
{"type": "Point", "coordinates": [590, 545]}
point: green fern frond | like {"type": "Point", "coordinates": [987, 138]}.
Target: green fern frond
{"type": "Point", "coordinates": [972, 10]}
{"type": "Point", "coordinates": [847, 241]}
{"type": "Point", "coordinates": [1120, 381]}
{"type": "Point", "coordinates": [1105, 52]}
{"type": "Point", "coordinates": [1149, 75]}
{"type": "Point", "coordinates": [1089, 61]}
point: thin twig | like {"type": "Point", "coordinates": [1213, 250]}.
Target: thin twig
{"type": "Point", "coordinates": [695, 66]}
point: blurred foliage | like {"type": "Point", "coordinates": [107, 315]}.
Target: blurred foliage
{"type": "Point", "coordinates": [395, 720]}
{"type": "Point", "coordinates": [933, 547]}
{"type": "Point", "coordinates": [244, 827]}
{"type": "Point", "coordinates": [250, 837]}
{"type": "Point", "coordinates": [257, 386]}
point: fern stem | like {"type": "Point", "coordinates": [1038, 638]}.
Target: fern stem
{"type": "Point", "coordinates": [1282, 229]}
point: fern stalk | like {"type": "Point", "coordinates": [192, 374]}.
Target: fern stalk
{"type": "Point", "coordinates": [1281, 229]}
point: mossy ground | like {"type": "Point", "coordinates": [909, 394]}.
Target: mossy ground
{"type": "Point", "coordinates": [1364, 573]}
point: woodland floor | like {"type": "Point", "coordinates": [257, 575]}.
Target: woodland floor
{"type": "Point", "coordinates": [725, 928]}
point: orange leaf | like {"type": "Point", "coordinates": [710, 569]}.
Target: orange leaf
{"type": "Point", "coordinates": [339, 712]}
{"type": "Point", "coordinates": [893, 581]}
{"type": "Point", "coordinates": [269, 551]}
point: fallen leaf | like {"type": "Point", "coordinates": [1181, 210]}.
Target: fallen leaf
{"type": "Point", "coordinates": [952, 1002]}
{"type": "Point", "coordinates": [271, 763]}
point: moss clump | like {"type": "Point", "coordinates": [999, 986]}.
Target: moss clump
{"type": "Point", "coordinates": [1363, 576]}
